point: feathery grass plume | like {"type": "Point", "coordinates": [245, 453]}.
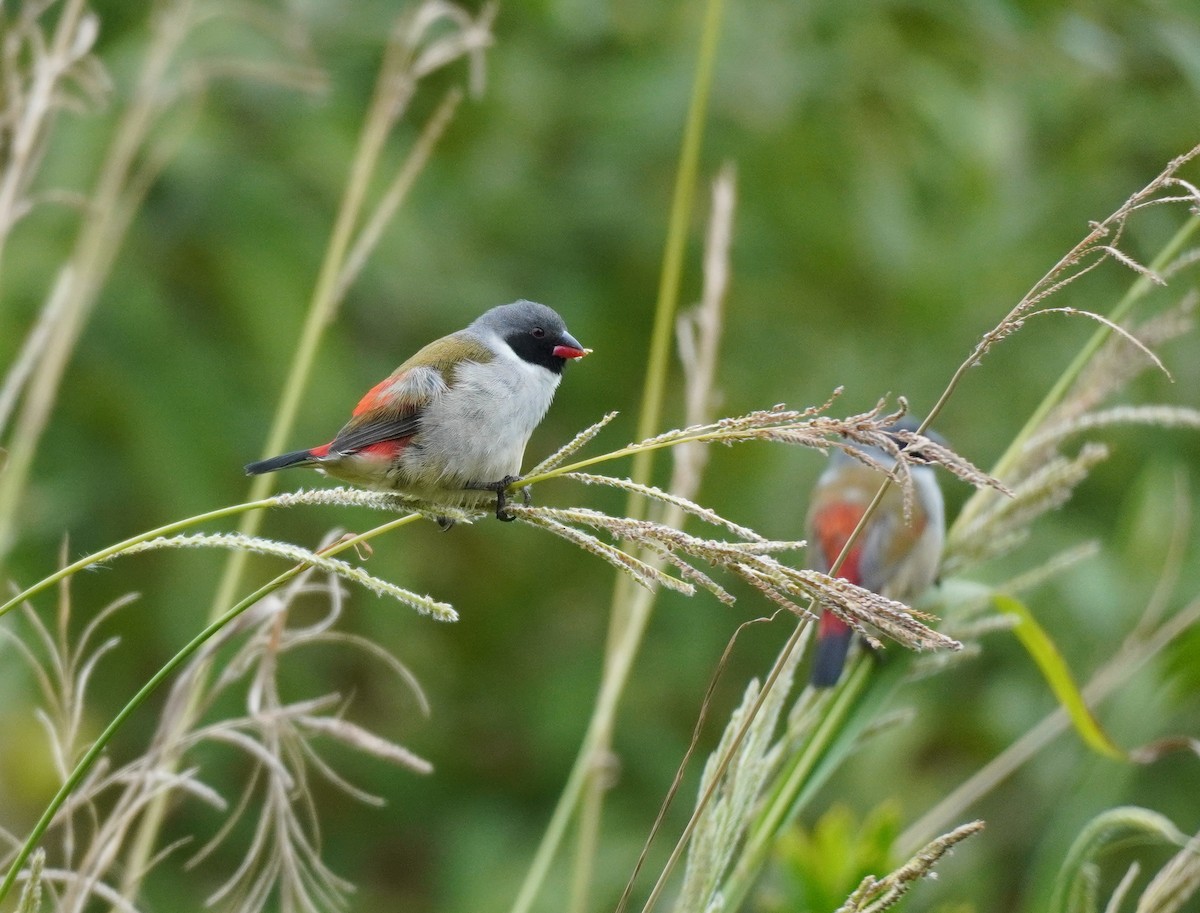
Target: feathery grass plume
{"type": "Point", "coordinates": [666, 497]}
{"type": "Point", "coordinates": [736, 789]}
{"type": "Point", "coordinates": [1098, 246]}
{"type": "Point", "coordinates": [752, 558]}
{"type": "Point", "coordinates": [341, 496]}
{"type": "Point", "coordinates": [388, 501]}
{"type": "Point", "coordinates": [1116, 363]}
{"type": "Point", "coordinates": [284, 859]}
{"type": "Point", "coordinates": [1161, 416]}
{"type": "Point", "coordinates": [550, 519]}
{"type": "Point", "coordinates": [31, 894]}
{"type": "Point", "coordinates": [1115, 355]}
{"type": "Point", "coordinates": [905, 448]}
{"type": "Point", "coordinates": [571, 447]}
{"type": "Point", "coordinates": [698, 331]}
{"type": "Point", "coordinates": [1040, 489]}
{"type": "Point", "coordinates": [274, 736]}
{"type": "Point", "coordinates": [877, 894]}
{"type": "Point", "coordinates": [1114, 366]}
{"type": "Point", "coordinates": [155, 113]}
{"type": "Point", "coordinates": [1176, 883]}
{"type": "Point", "coordinates": [809, 427]}
{"type": "Point", "coordinates": [752, 561]}
{"type": "Point", "coordinates": [426, 605]}
{"type": "Point", "coordinates": [63, 671]}
{"type": "Point", "coordinates": [46, 67]}
{"type": "Point", "coordinates": [1041, 476]}
{"type": "Point", "coordinates": [42, 73]}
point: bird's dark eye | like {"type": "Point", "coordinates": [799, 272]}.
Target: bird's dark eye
{"type": "Point", "coordinates": [538, 332]}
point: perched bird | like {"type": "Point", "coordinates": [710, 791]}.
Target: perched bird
{"type": "Point", "coordinates": [452, 422]}
{"type": "Point", "coordinates": [896, 559]}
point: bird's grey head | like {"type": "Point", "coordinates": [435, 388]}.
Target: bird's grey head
{"type": "Point", "coordinates": [534, 332]}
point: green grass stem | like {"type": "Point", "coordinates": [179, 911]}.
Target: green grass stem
{"type": "Point", "coordinates": [630, 606]}
{"type": "Point", "coordinates": [114, 551]}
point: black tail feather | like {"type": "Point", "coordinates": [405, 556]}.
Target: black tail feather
{"type": "Point", "coordinates": [283, 461]}
{"type": "Point", "coordinates": [829, 657]}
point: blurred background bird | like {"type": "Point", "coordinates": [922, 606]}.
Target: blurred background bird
{"type": "Point", "coordinates": [892, 557]}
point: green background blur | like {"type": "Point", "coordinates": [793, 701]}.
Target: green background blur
{"type": "Point", "coordinates": [907, 170]}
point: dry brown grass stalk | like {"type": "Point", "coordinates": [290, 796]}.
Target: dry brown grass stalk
{"type": "Point", "coordinates": [274, 736]}
{"type": "Point", "coordinates": [877, 894]}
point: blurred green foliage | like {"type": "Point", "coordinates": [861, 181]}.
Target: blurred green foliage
{"type": "Point", "coordinates": [907, 169]}
{"type": "Point", "coordinates": [819, 869]}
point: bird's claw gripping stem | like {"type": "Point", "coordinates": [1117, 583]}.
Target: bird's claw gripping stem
{"type": "Point", "coordinates": [501, 490]}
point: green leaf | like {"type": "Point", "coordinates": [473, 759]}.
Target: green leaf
{"type": "Point", "coordinates": [1054, 669]}
{"type": "Point", "coordinates": [817, 868]}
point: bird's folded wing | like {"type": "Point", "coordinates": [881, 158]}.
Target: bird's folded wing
{"type": "Point", "coordinates": [391, 410]}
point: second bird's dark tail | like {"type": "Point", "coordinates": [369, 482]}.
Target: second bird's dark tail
{"type": "Point", "coordinates": [283, 461]}
{"type": "Point", "coordinates": [829, 655]}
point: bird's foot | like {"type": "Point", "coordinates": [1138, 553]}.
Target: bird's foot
{"type": "Point", "coordinates": [501, 490]}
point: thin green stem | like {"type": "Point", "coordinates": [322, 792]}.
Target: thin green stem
{"type": "Point", "coordinates": [630, 608]}
{"type": "Point", "coordinates": [588, 839]}
{"type": "Point", "coordinates": [89, 758]}
{"type": "Point", "coordinates": [677, 233]}
{"type": "Point", "coordinates": [113, 551]}
{"type": "Point", "coordinates": [610, 691]}
{"type": "Point", "coordinates": [699, 437]}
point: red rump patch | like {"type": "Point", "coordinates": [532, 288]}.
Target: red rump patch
{"type": "Point", "coordinates": [374, 397]}
{"type": "Point", "coordinates": [831, 626]}
{"type": "Point", "coordinates": [384, 450]}
{"type": "Point", "coordinates": [321, 451]}
{"type": "Point", "coordinates": [834, 524]}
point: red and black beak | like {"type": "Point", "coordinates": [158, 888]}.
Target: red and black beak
{"type": "Point", "coordinates": [569, 347]}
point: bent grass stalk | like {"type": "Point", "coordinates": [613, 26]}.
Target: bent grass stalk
{"type": "Point", "coordinates": [118, 190]}
{"type": "Point", "coordinates": [1136, 291]}
{"type": "Point", "coordinates": [93, 753]}
{"type": "Point", "coordinates": [630, 608]}
{"type": "Point", "coordinates": [114, 551]}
